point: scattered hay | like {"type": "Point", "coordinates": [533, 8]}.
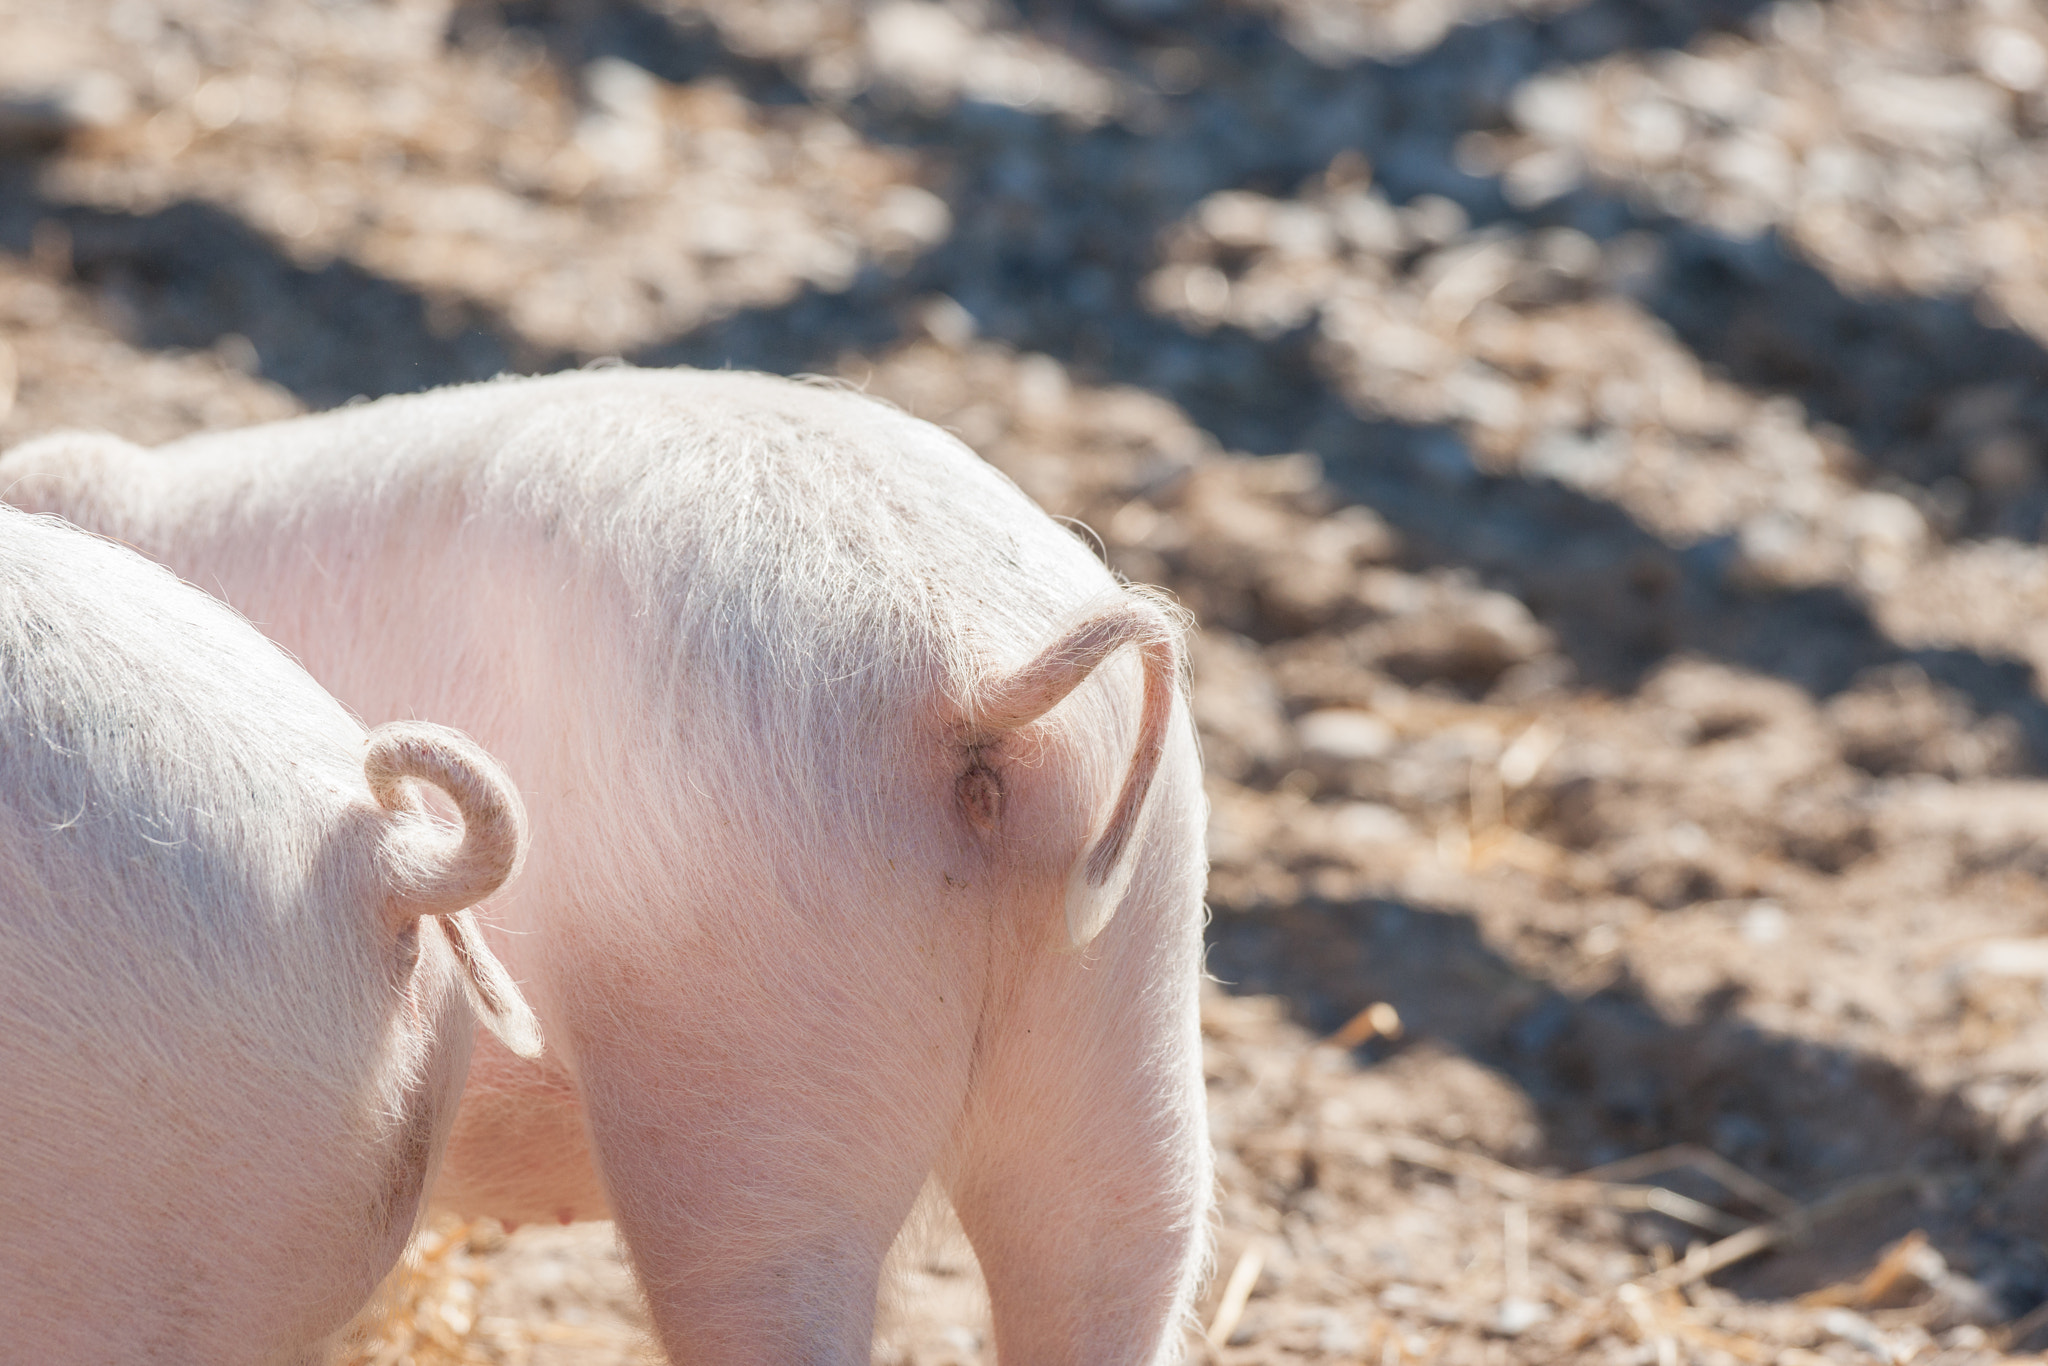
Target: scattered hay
{"type": "Point", "coordinates": [425, 1314]}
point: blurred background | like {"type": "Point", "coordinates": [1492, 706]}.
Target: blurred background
{"type": "Point", "coordinates": [1602, 442]}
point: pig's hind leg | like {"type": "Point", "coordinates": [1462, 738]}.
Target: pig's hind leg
{"type": "Point", "coordinates": [1082, 1172]}
{"type": "Point", "coordinates": [764, 1118]}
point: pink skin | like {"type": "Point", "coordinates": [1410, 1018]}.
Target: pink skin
{"type": "Point", "coordinates": [230, 1049]}
{"type": "Point", "coordinates": [851, 865]}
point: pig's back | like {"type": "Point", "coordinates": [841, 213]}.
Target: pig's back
{"type": "Point", "coordinates": [796, 519]}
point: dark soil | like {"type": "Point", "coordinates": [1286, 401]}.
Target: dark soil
{"type": "Point", "coordinates": [1602, 445]}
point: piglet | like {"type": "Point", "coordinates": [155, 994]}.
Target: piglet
{"type": "Point", "coordinates": [867, 828]}
{"type": "Point", "coordinates": [238, 982]}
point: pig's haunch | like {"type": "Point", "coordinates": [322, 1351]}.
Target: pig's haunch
{"type": "Point", "coordinates": [230, 1049]}
{"type": "Point", "coordinates": [864, 851]}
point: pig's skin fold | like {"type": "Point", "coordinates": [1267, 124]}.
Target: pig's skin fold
{"type": "Point", "coordinates": [800, 936]}
{"type": "Point", "coordinates": [228, 1070]}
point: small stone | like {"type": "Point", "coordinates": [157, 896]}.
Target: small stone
{"type": "Point", "coordinates": [1581, 460]}
{"type": "Point", "coordinates": [1517, 1316]}
{"type": "Point", "coordinates": [1238, 219]}
{"type": "Point", "coordinates": [922, 47]}
{"type": "Point", "coordinates": [912, 218]}
{"type": "Point", "coordinates": [1344, 735]}
{"type": "Point", "coordinates": [2012, 58]}
{"type": "Point", "coordinates": [1764, 923]}
{"type": "Point", "coordinates": [946, 322]}
{"type": "Point", "coordinates": [2026, 958]}
{"type": "Point", "coordinates": [1556, 108]}
{"type": "Point", "coordinates": [1369, 823]}
{"type": "Point", "coordinates": [1434, 219]}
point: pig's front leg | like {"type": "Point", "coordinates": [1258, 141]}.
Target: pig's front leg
{"type": "Point", "coordinates": [764, 1117]}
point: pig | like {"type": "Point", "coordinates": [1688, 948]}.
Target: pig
{"type": "Point", "coordinates": [867, 828]}
{"type": "Point", "coordinates": [238, 983]}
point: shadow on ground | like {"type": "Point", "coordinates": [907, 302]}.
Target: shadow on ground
{"type": "Point", "coordinates": [1610, 1076]}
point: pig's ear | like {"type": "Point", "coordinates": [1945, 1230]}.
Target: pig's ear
{"type": "Point", "coordinates": [1102, 873]}
{"type": "Point", "coordinates": [431, 870]}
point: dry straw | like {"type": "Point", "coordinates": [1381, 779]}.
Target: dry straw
{"type": "Point", "coordinates": [425, 1314]}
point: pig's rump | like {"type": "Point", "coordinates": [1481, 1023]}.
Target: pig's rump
{"type": "Point", "coordinates": [863, 850]}
{"type": "Point", "coordinates": [228, 1059]}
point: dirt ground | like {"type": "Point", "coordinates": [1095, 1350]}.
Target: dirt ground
{"type": "Point", "coordinates": [1601, 441]}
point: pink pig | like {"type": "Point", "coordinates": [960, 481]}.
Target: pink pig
{"type": "Point", "coordinates": [230, 1054]}
{"type": "Point", "coordinates": [864, 852]}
